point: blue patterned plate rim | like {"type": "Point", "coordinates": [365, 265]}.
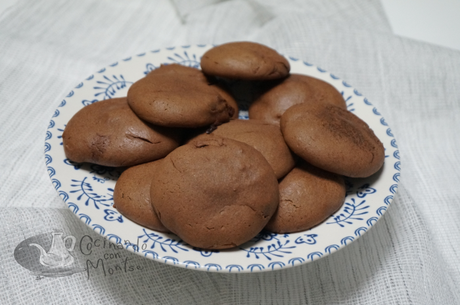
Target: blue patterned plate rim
{"type": "Point", "coordinates": [87, 189]}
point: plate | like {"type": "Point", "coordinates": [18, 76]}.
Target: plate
{"type": "Point", "coordinates": [88, 189]}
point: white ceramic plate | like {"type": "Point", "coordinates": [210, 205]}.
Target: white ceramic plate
{"type": "Point", "coordinates": [88, 189]}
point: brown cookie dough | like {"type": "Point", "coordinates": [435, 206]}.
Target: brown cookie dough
{"type": "Point", "coordinates": [278, 96]}
{"type": "Point", "coordinates": [308, 196]}
{"type": "Point", "coordinates": [179, 96]}
{"type": "Point", "coordinates": [264, 137]}
{"type": "Point", "coordinates": [221, 87]}
{"type": "Point", "coordinates": [226, 95]}
{"type": "Point", "coordinates": [333, 139]}
{"type": "Point", "coordinates": [244, 60]}
{"type": "Point", "coordinates": [131, 195]}
{"type": "Point", "coordinates": [214, 192]}
{"type": "Point", "coordinates": [109, 133]}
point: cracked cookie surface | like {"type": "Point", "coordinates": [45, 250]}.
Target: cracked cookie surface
{"type": "Point", "coordinates": [333, 139]}
{"type": "Point", "coordinates": [264, 137]}
{"type": "Point", "coordinates": [179, 96]}
{"type": "Point", "coordinates": [109, 133]}
{"type": "Point", "coordinates": [214, 192]}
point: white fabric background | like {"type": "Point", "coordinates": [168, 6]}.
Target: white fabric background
{"type": "Point", "coordinates": [409, 257]}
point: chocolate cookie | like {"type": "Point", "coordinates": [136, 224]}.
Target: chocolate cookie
{"type": "Point", "coordinates": [244, 60]}
{"type": "Point", "coordinates": [264, 137]}
{"type": "Point", "coordinates": [226, 95]}
{"type": "Point", "coordinates": [109, 133]}
{"type": "Point", "coordinates": [179, 96]}
{"type": "Point", "coordinates": [278, 96]}
{"type": "Point", "coordinates": [131, 195]}
{"type": "Point", "coordinates": [333, 139]}
{"type": "Point", "coordinates": [221, 87]}
{"type": "Point", "coordinates": [214, 192]}
{"type": "Point", "coordinates": [308, 196]}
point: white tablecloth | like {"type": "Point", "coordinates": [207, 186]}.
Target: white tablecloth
{"type": "Point", "coordinates": [409, 257]}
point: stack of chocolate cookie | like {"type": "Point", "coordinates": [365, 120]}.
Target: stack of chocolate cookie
{"type": "Point", "coordinates": [197, 171]}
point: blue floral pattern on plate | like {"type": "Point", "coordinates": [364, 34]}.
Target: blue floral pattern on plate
{"type": "Point", "coordinates": [88, 189]}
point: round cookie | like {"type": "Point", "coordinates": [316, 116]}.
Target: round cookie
{"type": "Point", "coordinates": [109, 133]}
{"type": "Point", "coordinates": [333, 139]}
{"type": "Point", "coordinates": [221, 87]}
{"type": "Point", "coordinates": [308, 196]}
{"type": "Point", "coordinates": [179, 96]}
{"type": "Point", "coordinates": [131, 195]}
{"type": "Point", "coordinates": [264, 137]}
{"type": "Point", "coordinates": [214, 192]}
{"type": "Point", "coordinates": [244, 60]}
{"type": "Point", "coordinates": [278, 96]}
